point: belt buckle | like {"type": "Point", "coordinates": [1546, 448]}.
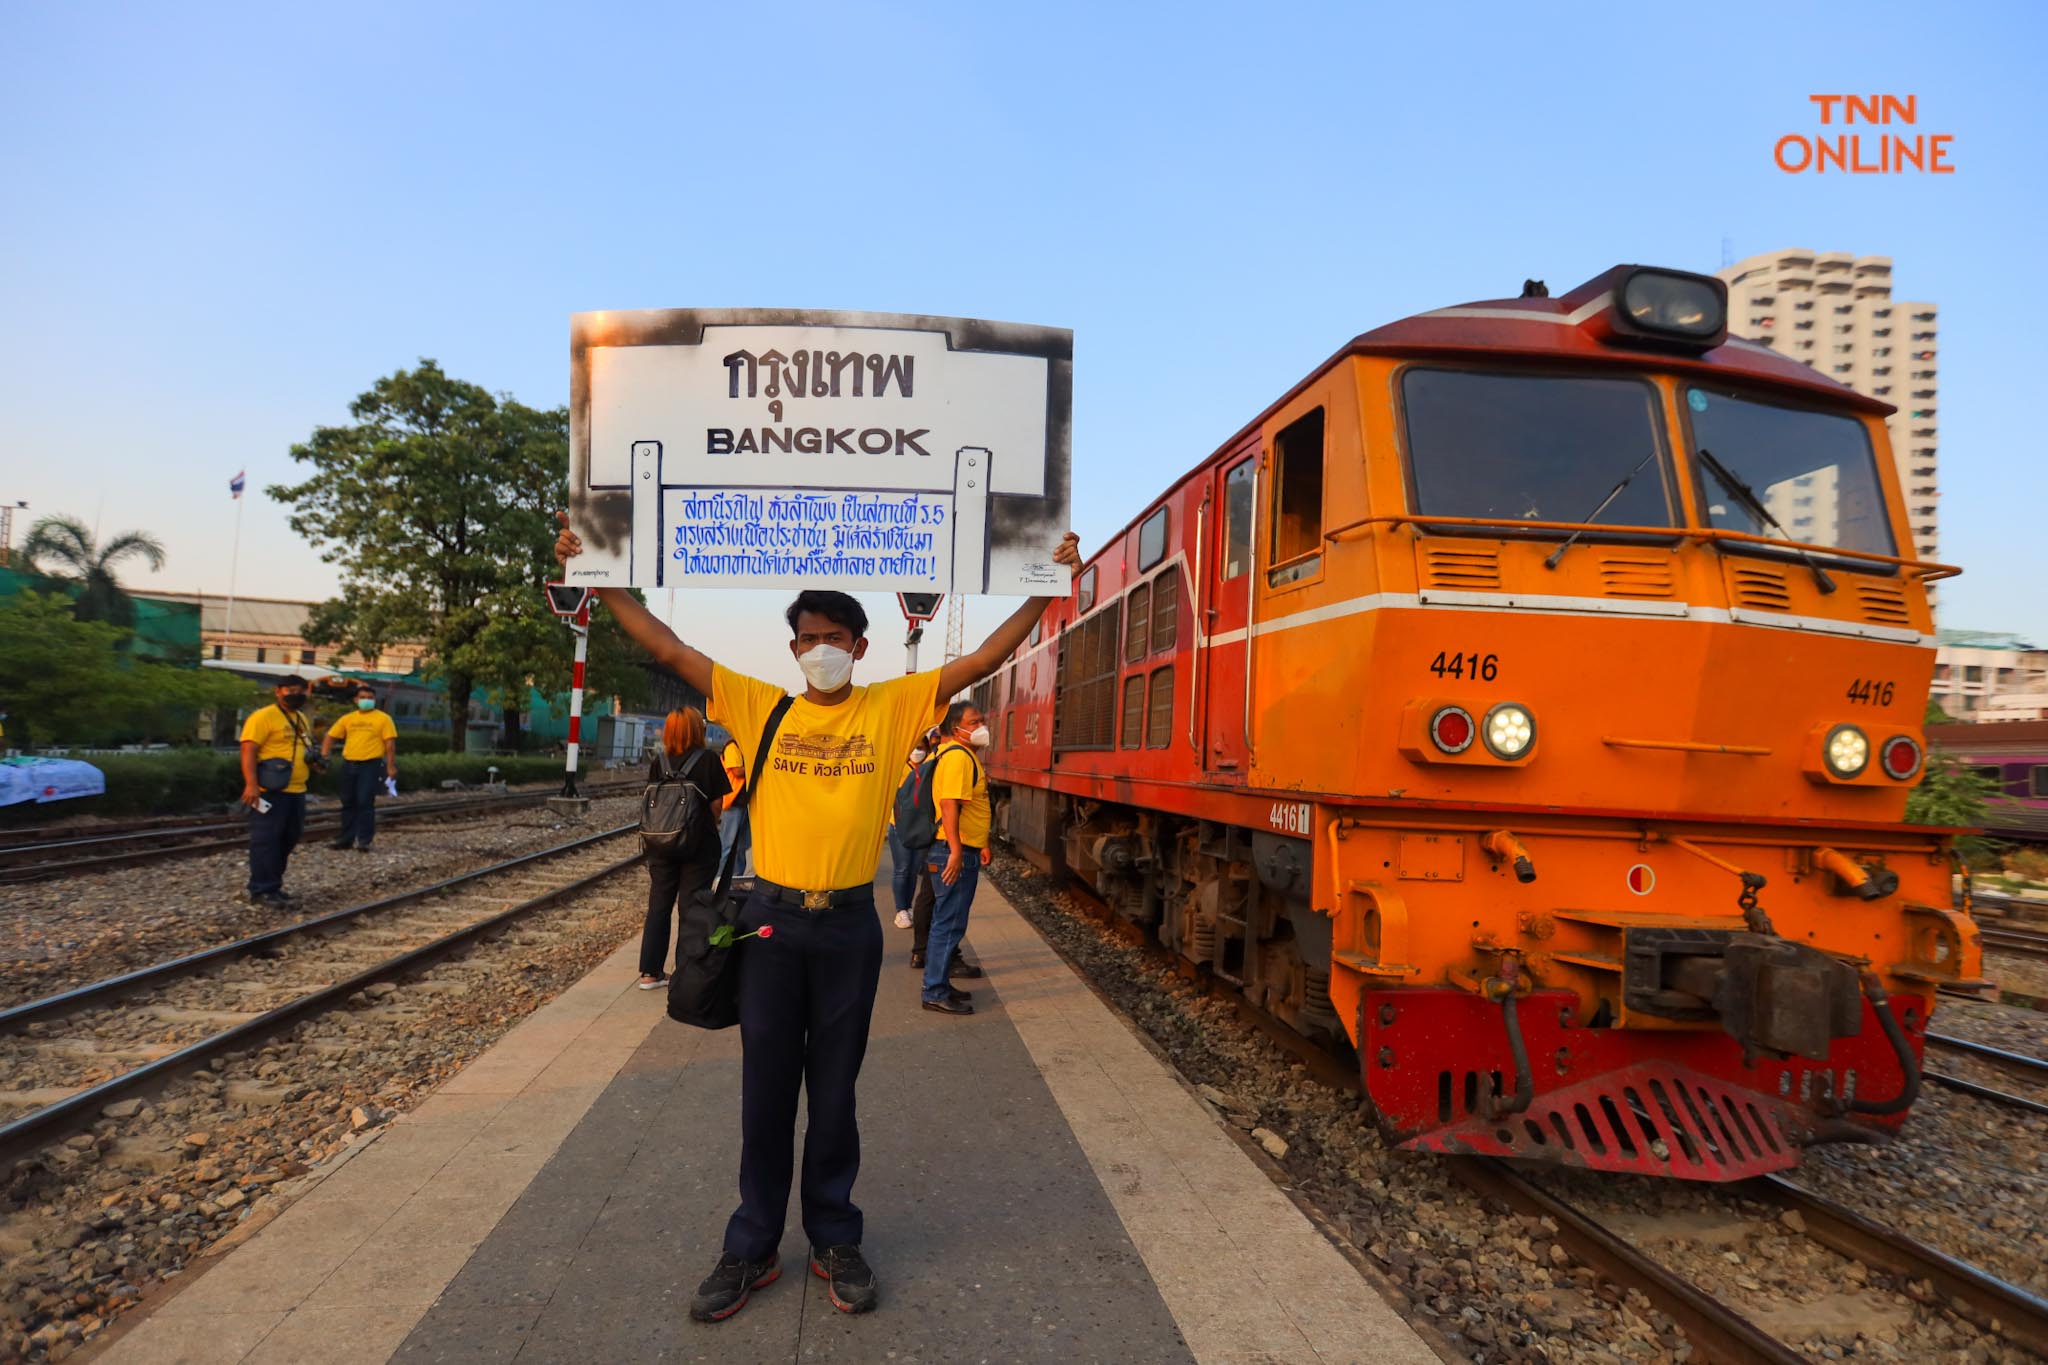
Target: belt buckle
{"type": "Point", "coordinates": [817, 900]}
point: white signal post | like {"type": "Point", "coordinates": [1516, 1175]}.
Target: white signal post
{"type": "Point", "coordinates": [918, 608]}
{"type": "Point", "coordinates": [580, 623]}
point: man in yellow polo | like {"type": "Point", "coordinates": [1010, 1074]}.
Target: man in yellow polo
{"type": "Point", "coordinates": [274, 769]}
{"type": "Point", "coordinates": [369, 757]}
{"type": "Point", "coordinates": [807, 982]}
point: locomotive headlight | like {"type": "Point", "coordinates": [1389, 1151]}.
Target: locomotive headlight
{"type": "Point", "coordinates": [1675, 305]}
{"type": "Point", "coordinates": [1847, 751]}
{"type": "Point", "coordinates": [1509, 730]}
{"type": "Point", "coordinates": [1451, 729]}
{"type": "Point", "coordinates": [1900, 758]}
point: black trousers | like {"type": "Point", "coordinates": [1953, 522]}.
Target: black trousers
{"type": "Point", "coordinates": [360, 781]}
{"type": "Point", "coordinates": [273, 834]}
{"type": "Point", "coordinates": [806, 995]}
{"type": "Point", "coordinates": [921, 907]}
{"type": "Point", "coordinates": [670, 884]}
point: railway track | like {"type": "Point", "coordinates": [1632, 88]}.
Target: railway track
{"type": "Point", "coordinates": [65, 1057]}
{"type": "Point", "coordinates": [37, 855]}
{"type": "Point", "coordinates": [2032, 1070]}
{"type": "Point", "coordinates": [1718, 1332]}
{"type": "Point", "coordinates": [2023, 942]}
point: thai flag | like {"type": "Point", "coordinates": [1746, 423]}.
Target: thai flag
{"type": "Point", "coordinates": [238, 483]}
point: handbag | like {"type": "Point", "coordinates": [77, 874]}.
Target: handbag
{"type": "Point", "coordinates": [705, 991]}
{"type": "Point", "coordinates": [273, 775]}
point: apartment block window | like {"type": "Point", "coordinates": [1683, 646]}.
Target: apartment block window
{"type": "Point", "coordinates": [1881, 369]}
{"type": "Point", "coordinates": [1882, 350]}
{"type": "Point", "coordinates": [216, 651]}
{"type": "Point", "coordinates": [1882, 389]}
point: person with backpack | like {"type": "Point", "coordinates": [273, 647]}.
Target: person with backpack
{"type": "Point", "coordinates": [905, 867]}
{"type": "Point", "coordinates": [959, 788]}
{"type": "Point", "coordinates": [686, 788]}
{"type": "Point", "coordinates": [812, 961]}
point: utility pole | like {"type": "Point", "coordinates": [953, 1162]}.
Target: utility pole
{"type": "Point", "coordinates": [956, 626]}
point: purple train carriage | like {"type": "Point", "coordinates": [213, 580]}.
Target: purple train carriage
{"type": "Point", "coordinates": [2015, 756]}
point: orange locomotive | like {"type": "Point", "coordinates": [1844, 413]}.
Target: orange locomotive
{"type": "Point", "coordinates": [1530, 698]}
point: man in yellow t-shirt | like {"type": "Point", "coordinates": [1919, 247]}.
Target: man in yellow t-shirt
{"type": "Point", "coordinates": [274, 771]}
{"type": "Point", "coordinates": [732, 822]}
{"type": "Point", "coordinates": [807, 986]}
{"type": "Point", "coordinates": [369, 758]}
{"type": "Point", "coordinates": [960, 786]}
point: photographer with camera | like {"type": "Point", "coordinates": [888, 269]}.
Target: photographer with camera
{"type": "Point", "coordinates": [276, 761]}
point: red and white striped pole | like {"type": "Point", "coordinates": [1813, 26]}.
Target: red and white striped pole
{"type": "Point", "coordinates": [580, 623]}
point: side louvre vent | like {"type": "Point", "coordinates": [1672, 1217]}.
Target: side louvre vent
{"type": "Point", "coordinates": [1474, 568]}
{"type": "Point", "coordinates": [1884, 604]}
{"type": "Point", "coordinates": [1636, 576]}
{"type": "Point", "coordinates": [1753, 585]}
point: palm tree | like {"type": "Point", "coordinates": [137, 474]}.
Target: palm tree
{"type": "Point", "coordinates": [62, 548]}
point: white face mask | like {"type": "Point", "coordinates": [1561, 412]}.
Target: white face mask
{"type": "Point", "coordinates": [917, 756]}
{"type": "Point", "coordinates": [980, 738]}
{"type": "Point", "coordinates": [826, 666]}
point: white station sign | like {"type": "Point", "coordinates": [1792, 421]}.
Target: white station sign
{"type": "Point", "coordinates": [859, 451]}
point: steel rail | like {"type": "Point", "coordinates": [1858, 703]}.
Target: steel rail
{"type": "Point", "coordinates": [16, 872]}
{"type": "Point", "coordinates": [2013, 1061]}
{"type": "Point", "coordinates": [1717, 1331]}
{"type": "Point", "coordinates": [2020, 1317]}
{"type": "Point", "coordinates": [75, 1111]}
{"type": "Point", "coordinates": [1985, 1092]}
{"type": "Point", "coordinates": [98, 992]}
{"type": "Point", "coordinates": [2010, 941]}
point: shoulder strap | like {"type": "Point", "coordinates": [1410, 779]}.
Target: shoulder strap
{"type": "Point", "coordinates": [746, 793]}
{"type": "Point", "coordinates": [952, 746]}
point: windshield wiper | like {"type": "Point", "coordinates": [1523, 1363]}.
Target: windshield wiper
{"type": "Point", "coordinates": [1748, 498]}
{"type": "Point", "coordinates": [1605, 502]}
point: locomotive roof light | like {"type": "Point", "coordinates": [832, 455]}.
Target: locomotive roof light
{"type": "Point", "coordinates": [1900, 757]}
{"type": "Point", "coordinates": [1846, 751]}
{"type": "Point", "coordinates": [1451, 729]}
{"type": "Point", "coordinates": [1651, 306]}
{"type": "Point", "coordinates": [1509, 730]}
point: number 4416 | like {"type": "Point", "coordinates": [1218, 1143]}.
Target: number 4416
{"type": "Point", "coordinates": [1871, 692]}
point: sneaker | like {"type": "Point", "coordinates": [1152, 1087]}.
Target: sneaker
{"type": "Point", "coordinates": [903, 920]}
{"type": "Point", "coordinates": [848, 1281]}
{"type": "Point", "coordinates": [651, 983]}
{"type": "Point", "coordinates": [725, 1290]}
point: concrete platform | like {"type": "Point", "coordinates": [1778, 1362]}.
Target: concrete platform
{"type": "Point", "coordinates": [1038, 1187]}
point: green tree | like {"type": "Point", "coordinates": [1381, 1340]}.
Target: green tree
{"type": "Point", "coordinates": [66, 680]}
{"type": "Point", "coordinates": [62, 548]}
{"type": "Point", "coordinates": [437, 502]}
{"type": "Point", "coordinates": [526, 644]}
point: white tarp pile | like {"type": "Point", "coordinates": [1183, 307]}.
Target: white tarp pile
{"type": "Point", "coordinates": [48, 779]}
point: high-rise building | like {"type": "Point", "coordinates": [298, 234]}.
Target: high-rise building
{"type": "Point", "coordinates": [1836, 312]}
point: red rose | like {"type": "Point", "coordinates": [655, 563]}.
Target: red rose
{"type": "Point", "coordinates": [766, 931]}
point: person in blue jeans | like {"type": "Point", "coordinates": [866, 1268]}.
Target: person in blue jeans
{"type": "Point", "coordinates": [960, 786]}
{"type": "Point", "coordinates": [904, 867]}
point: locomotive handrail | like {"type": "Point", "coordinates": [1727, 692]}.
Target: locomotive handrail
{"type": "Point", "coordinates": [1689, 746]}
{"type": "Point", "coordinates": [1923, 568]}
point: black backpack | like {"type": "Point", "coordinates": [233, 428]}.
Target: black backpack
{"type": "Point", "coordinates": [917, 811]}
{"type": "Point", "coordinates": [676, 817]}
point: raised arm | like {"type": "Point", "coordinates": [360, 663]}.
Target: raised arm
{"type": "Point", "coordinates": [969, 669]}
{"type": "Point", "coordinates": [693, 666]}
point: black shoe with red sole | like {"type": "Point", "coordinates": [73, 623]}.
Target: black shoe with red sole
{"type": "Point", "coordinates": [849, 1283]}
{"type": "Point", "coordinates": [731, 1282]}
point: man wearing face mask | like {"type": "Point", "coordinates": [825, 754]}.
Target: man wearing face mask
{"type": "Point", "coordinates": [274, 770]}
{"type": "Point", "coordinates": [960, 786]}
{"type": "Point", "coordinates": [369, 757]}
{"type": "Point", "coordinates": [807, 991]}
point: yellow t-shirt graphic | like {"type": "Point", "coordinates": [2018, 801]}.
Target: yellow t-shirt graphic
{"type": "Point", "coordinates": [832, 772]}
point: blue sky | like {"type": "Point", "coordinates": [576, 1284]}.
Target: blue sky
{"type": "Point", "coordinates": [224, 222]}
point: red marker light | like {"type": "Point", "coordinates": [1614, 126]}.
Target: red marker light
{"type": "Point", "coordinates": [1452, 730]}
{"type": "Point", "coordinates": [1900, 757]}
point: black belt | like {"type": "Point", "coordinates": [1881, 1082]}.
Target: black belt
{"type": "Point", "coordinates": [814, 900]}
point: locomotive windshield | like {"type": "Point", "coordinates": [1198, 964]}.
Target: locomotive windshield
{"type": "Point", "coordinates": [1536, 447]}
{"type": "Point", "coordinates": [1812, 471]}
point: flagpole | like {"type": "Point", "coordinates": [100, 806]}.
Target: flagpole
{"type": "Point", "coordinates": [234, 569]}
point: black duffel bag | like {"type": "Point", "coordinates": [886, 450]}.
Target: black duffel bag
{"type": "Point", "coordinates": [705, 990]}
